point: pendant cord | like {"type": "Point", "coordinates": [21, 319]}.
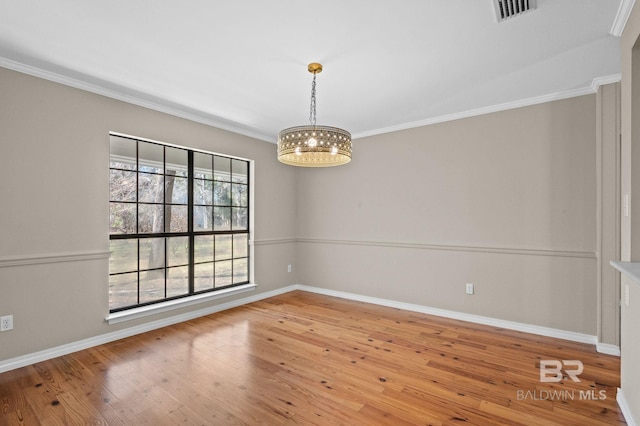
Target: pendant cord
{"type": "Point", "coordinates": [312, 112]}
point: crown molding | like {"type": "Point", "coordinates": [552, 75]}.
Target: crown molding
{"type": "Point", "coordinates": [607, 79]}
{"type": "Point", "coordinates": [184, 112]}
{"type": "Point", "coordinates": [624, 10]}
{"type": "Point", "coordinates": [593, 88]}
{"type": "Point", "coordinates": [181, 111]}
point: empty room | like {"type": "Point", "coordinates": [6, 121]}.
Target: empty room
{"type": "Point", "coordinates": [323, 213]}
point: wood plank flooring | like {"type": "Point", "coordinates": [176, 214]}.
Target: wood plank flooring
{"type": "Point", "coordinates": [302, 358]}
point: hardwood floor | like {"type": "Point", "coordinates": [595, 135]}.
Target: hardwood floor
{"type": "Point", "coordinates": [308, 359]}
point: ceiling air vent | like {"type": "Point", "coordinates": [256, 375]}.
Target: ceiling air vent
{"type": "Point", "coordinates": [506, 9]}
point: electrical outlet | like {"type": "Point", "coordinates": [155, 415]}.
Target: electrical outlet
{"type": "Point", "coordinates": [6, 323]}
{"type": "Point", "coordinates": [626, 205]}
{"type": "Point", "coordinates": [288, 268]}
{"type": "Point", "coordinates": [626, 295]}
{"type": "Point", "coordinates": [469, 288]}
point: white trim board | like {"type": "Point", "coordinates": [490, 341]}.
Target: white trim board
{"type": "Point", "coordinates": [461, 316]}
{"type": "Point", "coordinates": [22, 361]}
{"type": "Point", "coordinates": [269, 241]}
{"type": "Point", "coordinates": [177, 110]}
{"type": "Point", "coordinates": [581, 91]}
{"type": "Point", "coordinates": [155, 308]}
{"type": "Point", "coordinates": [625, 408]}
{"type": "Point", "coordinates": [134, 98]}
{"type": "Point", "coordinates": [452, 247]}
{"type": "Point", "coordinates": [37, 259]}
{"type": "Point", "coordinates": [608, 349]}
{"type": "Point", "coordinates": [620, 21]}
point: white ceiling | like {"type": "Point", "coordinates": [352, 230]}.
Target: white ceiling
{"type": "Point", "coordinates": [388, 65]}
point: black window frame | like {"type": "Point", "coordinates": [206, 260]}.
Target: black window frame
{"type": "Point", "coordinates": [191, 233]}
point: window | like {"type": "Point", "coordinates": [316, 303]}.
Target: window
{"type": "Point", "coordinates": [179, 222]}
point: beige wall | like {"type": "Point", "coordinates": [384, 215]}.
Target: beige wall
{"type": "Point", "coordinates": [608, 211]}
{"type": "Point", "coordinates": [54, 156]}
{"type": "Point", "coordinates": [506, 201]}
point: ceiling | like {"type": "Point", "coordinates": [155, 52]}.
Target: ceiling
{"type": "Point", "coordinates": [388, 65]}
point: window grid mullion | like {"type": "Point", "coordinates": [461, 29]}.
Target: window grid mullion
{"type": "Point", "coordinates": [164, 220]}
{"type": "Point", "coordinates": [190, 212]}
{"type": "Point", "coordinates": [138, 216]}
{"type": "Point", "coordinates": [213, 222]}
{"type": "Point", "coordinates": [166, 235]}
{"type": "Point", "coordinates": [138, 274]}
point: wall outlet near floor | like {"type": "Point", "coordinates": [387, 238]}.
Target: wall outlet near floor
{"type": "Point", "coordinates": [288, 268]}
{"type": "Point", "coordinates": [469, 289]}
{"type": "Point", "coordinates": [6, 323]}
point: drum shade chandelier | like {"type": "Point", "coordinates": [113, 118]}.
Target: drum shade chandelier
{"type": "Point", "coordinates": [313, 145]}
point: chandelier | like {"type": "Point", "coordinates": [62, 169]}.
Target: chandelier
{"type": "Point", "coordinates": [313, 145]}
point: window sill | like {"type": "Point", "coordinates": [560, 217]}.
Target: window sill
{"type": "Point", "coordinates": [143, 311]}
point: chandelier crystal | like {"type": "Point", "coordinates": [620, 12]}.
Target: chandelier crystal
{"type": "Point", "coordinates": [313, 145]}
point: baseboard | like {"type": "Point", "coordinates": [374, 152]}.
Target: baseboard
{"type": "Point", "coordinates": [624, 407]}
{"type": "Point", "coordinates": [22, 361]}
{"type": "Point", "coordinates": [608, 349]}
{"type": "Point", "coordinates": [511, 325]}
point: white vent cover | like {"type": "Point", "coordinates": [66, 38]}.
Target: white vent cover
{"type": "Point", "coordinates": [506, 9]}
